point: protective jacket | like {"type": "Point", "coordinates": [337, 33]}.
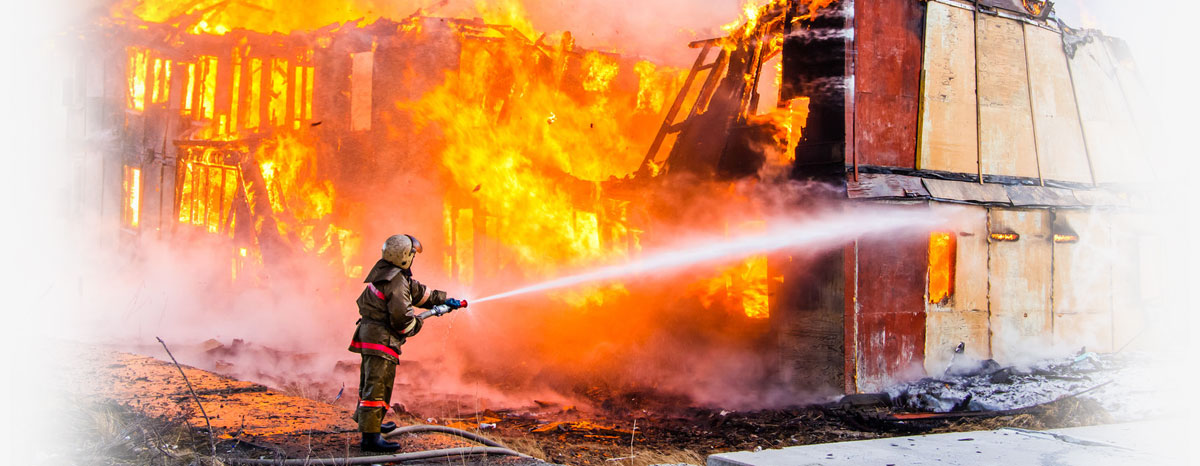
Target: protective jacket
{"type": "Point", "coordinates": [386, 307]}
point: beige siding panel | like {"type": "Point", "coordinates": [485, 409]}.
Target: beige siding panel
{"type": "Point", "coordinates": [1083, 270]}
{"type": "Point", "coordinates": [1137, 279]}
{"type": "Point", "coordinates": [1107, 126]}
{"type": "Point", "coordinates": [965, 318]}
{"type": "Point", "coordinates": [1019, 284]}
{"type": "Point", "coordinates": [949, 134]}
{"type": "Point", "coordinates": [1137, 97]}
{"type": "Point", "coordinates": [1007, 144]}
{"type": "Point", "coordinates": [970, 280]}
{"type": "Point", "coordinates": [1020, 338]}
{"type": "Point", "coordinates": [1061, 151]}
{"type": "Point", "coordinates": [945, 330]}
{"type": "Point", "coordinates": [1083, 282]}
{"type": "Point", "coordinates": [1091, 331]}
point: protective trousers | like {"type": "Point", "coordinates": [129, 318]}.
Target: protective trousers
{"type": "Point", "coordinates": [375, 380]}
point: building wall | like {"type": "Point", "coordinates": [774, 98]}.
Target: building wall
{"type": "Point", "coordinates": [1015, 301]}
{"type": "Point", "coordinates": [1003, 97]}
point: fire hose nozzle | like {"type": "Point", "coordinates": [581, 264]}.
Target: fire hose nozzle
{"type": "Point", "coordinates": [439, 310]}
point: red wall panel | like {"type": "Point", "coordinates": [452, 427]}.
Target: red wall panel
{"type": "Point", "coordinates": [890, 309]}
{"type": "Point", "coordinates": [887, 67]}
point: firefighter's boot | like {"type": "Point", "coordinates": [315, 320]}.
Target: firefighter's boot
{"type": "Point", "coordinates": [375, 442]}
{"type": "Point", "coordinates": [387, 427]}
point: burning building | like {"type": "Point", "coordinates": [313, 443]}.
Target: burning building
{"type": "Point", "coordinates": [272, 149]}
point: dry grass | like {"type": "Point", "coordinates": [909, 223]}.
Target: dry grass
{"type": "Point", "coordinates": [646, 458]}
{"type": "Point", "coordinates": [526, 445]}
{"type": "Point", "coordinates": [107, 434]}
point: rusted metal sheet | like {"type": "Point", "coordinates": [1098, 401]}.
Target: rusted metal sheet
{"type": "Point", "coordinates": [1107, 125]}
{"type": "Point", "coordinates": [1082, 293]}
{"type": "Point", "coordinates": [871, 186]}
{"type": "Point", "coordinates": [1007, 144]}
{"type": "Point", "coordinates": [891, 309]}
{"type": "Point", "coordinates": [949, 137]}
{"type": "Point", "coordinates": [1062, 154]}
{"type": "Point", "coordinates": [1019, 283]}
{"type": "Point", "coordinates": [966, 191]}
{"type": "Point", "coordinates": [964, 318]}
{"type": "Point", "coordinates": [891, 348]}
{"type": "Point", "coordinates": [1022, 195]}
{"type": "Point", "coordinates": [887, 72]}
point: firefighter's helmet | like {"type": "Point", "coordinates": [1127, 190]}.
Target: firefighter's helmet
{"type": "Point", "coordinates": [400, 250]}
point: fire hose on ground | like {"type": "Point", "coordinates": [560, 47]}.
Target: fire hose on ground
{"type": "Point", "coordinates": [492, 448]}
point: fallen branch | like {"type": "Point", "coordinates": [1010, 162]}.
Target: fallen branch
{"type": "Point", "coordinates": [211, 443]}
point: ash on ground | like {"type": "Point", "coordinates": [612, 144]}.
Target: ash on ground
{"type": "Point", "coordinates": [1123, 384]}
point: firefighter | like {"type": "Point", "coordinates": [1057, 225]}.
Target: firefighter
{"type": "Point", "coordinates": [387, 320]}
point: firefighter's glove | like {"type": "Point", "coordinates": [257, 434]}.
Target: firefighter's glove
{"type": "Point", "coordinates": [456, 303]}
{"type": "Point", "coordinates": [413, 328]}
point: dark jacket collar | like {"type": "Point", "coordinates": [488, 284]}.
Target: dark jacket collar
{"type": "Point", "coordinates": [385, 271]}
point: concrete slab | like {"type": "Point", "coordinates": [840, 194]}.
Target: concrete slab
{"type": "Point", "coordinates": [1118, 444]}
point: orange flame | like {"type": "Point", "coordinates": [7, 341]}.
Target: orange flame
{"type": "Point", "coordinates": [1064, 238]}
{"type": "Point", "coordinates": [529, 147]}
{"type": "Point", "coordinates": [942, 257]}
{"type": "Point", "coordinates": [1005, 236]}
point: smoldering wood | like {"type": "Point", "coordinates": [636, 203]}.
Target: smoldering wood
{"type": "Point", "coordinates": [814, 66]}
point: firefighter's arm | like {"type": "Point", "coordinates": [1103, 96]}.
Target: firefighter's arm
{"type": "Point", "coordinates": [400, 315]}
{"type": "Point", "coordinates": [426, 297]}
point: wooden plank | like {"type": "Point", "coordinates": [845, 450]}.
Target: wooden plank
{"type": "Point", "coordinates": [668, 124]}
{"type": "Point", "coordinates": [1137, 97]}
{"type": "Point", "coordinates": [965, 318]}
{"type": "Point", "coordinates": [1136, 276]}
{"type": "Point", "coordinates": [1019, 282]}
{"type": "Point", "coordinates": [1062, 154]}
{"type": "Point", "coordinates": [966, 191]}
{"type": "Point", "coordinates": [945, 330]}
{"type": "Point", "coordinates": [810, 318]}
{"type": "Point", "coordinates": [887, 71]}
{"type": "Point", "coordinates": [1082, 269]}
{"type": "Point", "coordinates": [1082, 293]}
{"type": "Point", "coordinates": [1007, 144]}
{"type": "Point", "coordinates": [949, 136]}
{"type": "Point", "coordinates": [871, 185]}
{"type": "Point", "coordinates": [971, 271]}
{"type": "Point", "coordinates": [1108, 128]}
{"type": "Point", "coordinates": [1022, 195]}
{"type": "Point", "coordinates": [1089, 330]}
{"type": "Point", "coordinates": [1099, 197]}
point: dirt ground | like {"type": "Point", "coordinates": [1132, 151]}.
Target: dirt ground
{"type": "Point", "coordinates": [138, 410]}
